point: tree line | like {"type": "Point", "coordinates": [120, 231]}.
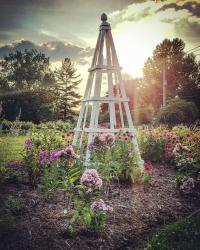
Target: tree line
{"type": "Point", "coordinates": [31, 89]}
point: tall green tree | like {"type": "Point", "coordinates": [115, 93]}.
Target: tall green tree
{"type": "Point", "coordinates": [189, 82]}
{"type": "Point", "coordinates": [26, 70]}
{"type": "Point", "coordinates": [68, 99]}
{"type": "Point", "coordinates": [182, 72]}
{"type": "Point", "coordinates": [26, 82]}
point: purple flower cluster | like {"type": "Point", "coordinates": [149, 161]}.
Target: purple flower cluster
{"type": "Point", "coordinates": [90, 178]}
{"type": "Point", "coordinates": [53, 155]}
{"type": "Point", "coordinates": [67, 152]}
{"type": "Point", "coordinates": [44, 154]}
{"type": "Point", "coordinates": [28, 144]}
{"type": "Point", "coordinates": [46, 157]}
{"type": "Point", "coordinates": [187, 184]}
{"type": "Point", "coordinates": [101, 206]}
{"type": "Point", "coordinates": [91, 146]}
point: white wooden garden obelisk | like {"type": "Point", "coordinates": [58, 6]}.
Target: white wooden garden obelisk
{"type": "Point", "coordinates": [105, 62]}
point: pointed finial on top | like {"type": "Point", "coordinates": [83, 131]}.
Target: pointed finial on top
{"type": "Point", "coordinates": [104, 17]}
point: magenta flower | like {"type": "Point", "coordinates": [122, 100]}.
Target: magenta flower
{"type": "Point", "coordinates": [44, 154]}
{"type": "Point", "coordinates": [54, 155]}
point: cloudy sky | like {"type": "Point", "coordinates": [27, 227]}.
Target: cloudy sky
{"type": "Point", "coordinates": [66, 28]}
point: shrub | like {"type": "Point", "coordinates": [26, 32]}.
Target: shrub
{"type": "Point", "coordinates": [56, 125]}
{"type": "Point", "coordinates": [24, 126]}
{"type": "Point", "coordinates": [152, 145]}
{"type": "Point", "coordinates": [13, 204]}
{"type": "Point", "coordinates": [183, 234]}
{"type": "Point", "coordinates": [21, 126]}
{"type": "Point", "coordinates": [145, 115]}
{"type": "Point", "coordinates": [6, 125]}
{"type": "Point", "coordinates": [178, 111]}
{"type": "Point", "coordinates": [48, 160]}
{"type": "Point", "coordinates": [42, 140]}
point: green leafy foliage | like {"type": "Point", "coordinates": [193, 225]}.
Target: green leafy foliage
{"type": "Point", "coordinates": [183, 234]}
{"type": "Point", "coordinates": [42, 140]}
{"type": "Point", "coordinates": [13, 204]}
{"type": "Point", "coordinates": [178, 111]}
{"type": "Point", "coordinates": [25, 127]}
{"type": "Point", "coordinates": [29, 85]}
{"type": "Point", "coordinates": [182, 74]}
{"type": "Point", "coordinates": [117, 160]}
{"type": "Point", "coordinates": [152, 148]}
{"type": "Point", "coordinates": [52, 178]}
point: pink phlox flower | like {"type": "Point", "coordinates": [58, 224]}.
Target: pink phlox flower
{"type": "Point", "coordinates": [70, 150]}
{"type": "Point", "coordinates": [91, 178]}
{"type": "Point", "coordinates": [102, 138]}
{"type": "Point", "coordinates": [101, 206]}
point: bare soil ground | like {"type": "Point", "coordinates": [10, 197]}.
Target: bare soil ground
{"type": "Point", "coordinates": [138, 212]}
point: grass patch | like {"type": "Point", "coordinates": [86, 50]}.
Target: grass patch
{"type": "Point", "coordinates": [181, 235]}
{"type": "Point", "coordinates": [10, 148]}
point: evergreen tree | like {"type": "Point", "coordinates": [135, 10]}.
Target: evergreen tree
{"type": "Point", "coordinates": [68, 99]}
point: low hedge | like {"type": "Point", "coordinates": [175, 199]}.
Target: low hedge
{"type": "Point", "coordinates": [23, 127]}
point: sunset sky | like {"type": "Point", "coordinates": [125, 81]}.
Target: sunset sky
{"type": "Point", "coordinates": [66, 28]}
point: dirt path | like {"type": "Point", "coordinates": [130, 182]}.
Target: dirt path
{"type": "Point", "coordinates": [137, 213]}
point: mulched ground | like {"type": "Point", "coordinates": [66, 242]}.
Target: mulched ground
{"type": "Point", "coordinates": [138, 212]}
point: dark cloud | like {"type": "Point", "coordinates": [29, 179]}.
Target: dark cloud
{"type": "Point", "coordinates": [192, 7]}
{"type": "Point", "coordinates": [188, 29]}
{"type": "Point", "coordinates": [56, 50]}
{"type": "Point", "coordinates": [24, 14]}
{"type": "Point", "coordinates": [135, 16]}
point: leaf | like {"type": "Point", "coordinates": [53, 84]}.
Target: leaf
{"type": "Point", "coordinates": [87, 218]}
{"type": "Point", "coordinates": [74, 217]}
